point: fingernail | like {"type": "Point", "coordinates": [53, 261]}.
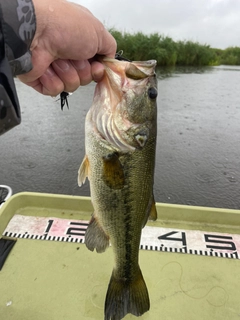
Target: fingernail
{"type": "Point", "coordinates": [62, 64]}
{"type": "Point", "coordinates": [79, 64]}
{"type": "Point", "coordinates": [49, 72]}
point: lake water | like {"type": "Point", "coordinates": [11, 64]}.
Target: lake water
{"type": "Point", "coordinates": [198, 147]}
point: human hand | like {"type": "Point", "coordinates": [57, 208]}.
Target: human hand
{"type": "Point", "coordinates": [67, 39]}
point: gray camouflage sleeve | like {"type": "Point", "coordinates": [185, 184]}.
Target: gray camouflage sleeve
{"type": "Point", "coordinates": [18, 28]}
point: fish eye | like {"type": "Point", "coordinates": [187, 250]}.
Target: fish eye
{"type": "Point", "coordinates": [152, 93]}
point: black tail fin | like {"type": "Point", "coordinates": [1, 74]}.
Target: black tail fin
{"type": "Point", "coordinates": [124, 296]}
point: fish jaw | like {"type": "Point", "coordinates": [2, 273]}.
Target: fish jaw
{"type": "Point", "coordinates": [135, 69]}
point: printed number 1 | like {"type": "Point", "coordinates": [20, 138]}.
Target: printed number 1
{"type": "Point", "coordinates": [50, 222]}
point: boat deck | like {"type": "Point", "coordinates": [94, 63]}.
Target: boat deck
{"type": "Point", "coordinates": [190, 262]}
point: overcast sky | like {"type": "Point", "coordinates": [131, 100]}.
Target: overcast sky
{"type": "Point", "coordinates": [213, 22]}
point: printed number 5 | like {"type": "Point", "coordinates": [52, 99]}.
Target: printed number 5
{"type": "Point", "coordinates": [220, 240]}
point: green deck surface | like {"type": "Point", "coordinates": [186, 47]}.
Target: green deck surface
{"type": "Point", "coordinates": [48, 280]}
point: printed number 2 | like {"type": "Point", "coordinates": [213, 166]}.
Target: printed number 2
{"type": "Point", "coordinates": [78, 230]}
{"type": "Point", "coordinates": [229, 245]}
{"type": "Point", "coordinates": [167, 236]}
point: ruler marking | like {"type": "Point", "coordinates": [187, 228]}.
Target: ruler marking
{"type": "Point", "coordinates": [195, 242]}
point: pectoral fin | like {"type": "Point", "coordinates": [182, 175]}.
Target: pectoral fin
{"type": "Point", "coordinates": [83, 171]}
{"type": "Point", "coordinates": [113, 174]}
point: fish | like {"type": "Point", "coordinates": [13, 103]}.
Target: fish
{"type": "Point", "coordinates": [120, 145]}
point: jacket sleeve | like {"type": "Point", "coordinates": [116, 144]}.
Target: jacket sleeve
{"type": "Point", "coordinates": [17, 29]}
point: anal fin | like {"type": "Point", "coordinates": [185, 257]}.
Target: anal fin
{"type": "Point", "coordinates": [153, 211]}
{"type": "Point", "coordinates": [95, 237]}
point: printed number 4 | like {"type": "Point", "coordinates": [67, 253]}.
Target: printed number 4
{"type": "Point", "coordinates": [167, 236]}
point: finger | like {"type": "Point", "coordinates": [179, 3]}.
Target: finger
{"type": "Point", "coordinates": [52, 85]}
{"type": "Point", "coordinates": [84, 70]}
{"type": "Point", "coordinates": [41, 60]}
{"type": "Point", "coordinates": [48, 84]}
{"type": "Point", "coordinates": [97, 70]}
{"type": "Point", "coordinates": [67, 73]}
{"type": "Point", "coordinates": [107, 44]}
{"type": "Point", "coordinates": [36, 85]}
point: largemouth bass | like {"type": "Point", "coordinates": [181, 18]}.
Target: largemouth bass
{"type": "Point", "coordinates": [121, 129]}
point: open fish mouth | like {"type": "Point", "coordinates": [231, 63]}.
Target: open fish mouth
{"type": "Point", "coordinates": [136, 69]}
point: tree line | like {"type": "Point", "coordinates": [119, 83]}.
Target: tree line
{"type": "Point", "coordinates": [167, 52]}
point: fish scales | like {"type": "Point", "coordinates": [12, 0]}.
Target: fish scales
{"type": "Point", "coordinates": [125, 202]}
{"type": "Point", "coordinates": [119, 162]}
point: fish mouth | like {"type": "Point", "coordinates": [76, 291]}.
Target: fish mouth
{"type": "Point", "coordinates": [134, 70]}
{"type": "Point", "coordinates": [120, 75]}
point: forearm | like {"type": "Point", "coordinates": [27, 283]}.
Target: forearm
{"type": "Point", "coordinates": [18, 24]}
{"type": "Point", "coordinates": [58, 52]}
{"type": "Point", "coordinates": [17, 29]}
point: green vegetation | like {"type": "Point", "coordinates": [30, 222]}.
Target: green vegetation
{"type": "Point", "coordinates": [230, 56]}
{"type": "Point", "coordinates": [167, 52]}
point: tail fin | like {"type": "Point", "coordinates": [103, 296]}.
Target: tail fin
{"type": "Point", "coordinates": [124, 296]}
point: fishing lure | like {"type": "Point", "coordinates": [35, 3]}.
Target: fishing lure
{"type": "Point", "coordinates": [64, 99]}
{"type": "Point", "coordinates": [120, 57]}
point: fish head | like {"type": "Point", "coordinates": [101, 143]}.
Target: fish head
{"type": "Point", "coordinates": [124, 107]}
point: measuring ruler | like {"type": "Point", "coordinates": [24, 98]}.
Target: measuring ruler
{"type": "Point", "coordinates": [153, 238]}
